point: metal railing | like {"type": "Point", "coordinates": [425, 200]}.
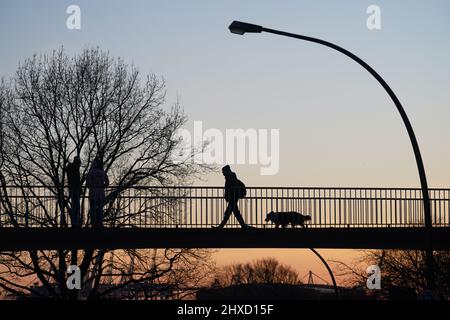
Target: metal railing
{"type": "Point", "coordinates": [189, 207]}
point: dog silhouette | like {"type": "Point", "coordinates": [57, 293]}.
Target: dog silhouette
{"type": "Point", "coordinates": [283, 219]}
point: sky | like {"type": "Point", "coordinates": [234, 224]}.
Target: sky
{"type": "Point", "coordinates": [337, 126]}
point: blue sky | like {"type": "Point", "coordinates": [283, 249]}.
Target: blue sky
{"type": "Point", "coordinates": [337, 125]}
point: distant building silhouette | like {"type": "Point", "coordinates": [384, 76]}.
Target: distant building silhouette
{"type": "Point", "coordinates": [261, 291]}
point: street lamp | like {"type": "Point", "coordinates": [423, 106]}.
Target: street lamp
{"type": "Point", "coordinates": [241, 28]}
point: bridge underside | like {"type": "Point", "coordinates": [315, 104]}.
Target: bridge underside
{"type": "Point", "coordinates": [122, 238]}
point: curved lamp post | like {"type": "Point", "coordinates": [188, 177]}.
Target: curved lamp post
{"type": "Point", "coordinates": [336, 290]}
{"type": "Point", "coordinates": [242, 28]}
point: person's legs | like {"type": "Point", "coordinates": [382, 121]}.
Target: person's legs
{"type": "Point", "coordinates": [100, 216]}
{"type": "Point", "coordinates": [93, 213]}
{"type": "Point", "coordinates": [226, 216]}
{"type": "Point", "coordinates": [238, 215]}
{"type": "Point", "coordinates": [75, 212]}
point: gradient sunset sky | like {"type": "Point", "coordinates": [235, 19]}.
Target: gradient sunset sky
{"type": "Point", "coordinates": [337, 125]}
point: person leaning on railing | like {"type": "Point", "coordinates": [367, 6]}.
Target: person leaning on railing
{"type": "Point", "coordinates": [73, 179]}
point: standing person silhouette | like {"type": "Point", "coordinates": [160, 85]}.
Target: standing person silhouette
{"type": "Point", "coordinates": [73, 179]}
{"type": "Point", "coordinates": [232, 195]}
{"type": "Point", "coordinates": [96, 181]}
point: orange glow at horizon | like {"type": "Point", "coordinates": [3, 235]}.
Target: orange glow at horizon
{"type": "Point", "coordinates": [301, 260]}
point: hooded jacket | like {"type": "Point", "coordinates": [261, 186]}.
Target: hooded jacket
{"type": "Point", "coordinates": [96, 181]}
{"type": "Point", "coordinates": [231, 187]}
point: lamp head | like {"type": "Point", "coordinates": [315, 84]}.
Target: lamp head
{"type": "Point", "coordinates": [239, 27]}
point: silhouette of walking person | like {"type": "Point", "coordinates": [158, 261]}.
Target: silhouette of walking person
{"type": "Point", "coordinates": [73, 179]}
{"type": "Point", "coordinates": [96, 181]}
{"type": "Point", "coordinates": [234, 190]}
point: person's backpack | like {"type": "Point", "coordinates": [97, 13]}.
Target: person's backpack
{"type": "Point", "coordinates": [241, 189]}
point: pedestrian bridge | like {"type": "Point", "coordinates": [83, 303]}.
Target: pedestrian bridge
{"type": "Point", "coordinates": [138, 217]}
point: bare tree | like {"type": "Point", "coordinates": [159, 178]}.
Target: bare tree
{"type": "Point", "coordinates": [89, 105]}
{"type": "Point", "coordinates": [154, 273]}
{"type": "Point", "coordinates": [268, 271]}
{"type": "Point", "coordinates": [399, 268]}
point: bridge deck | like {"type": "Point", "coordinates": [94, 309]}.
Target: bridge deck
{"type": "Point", "coordinates": [109, 238]}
